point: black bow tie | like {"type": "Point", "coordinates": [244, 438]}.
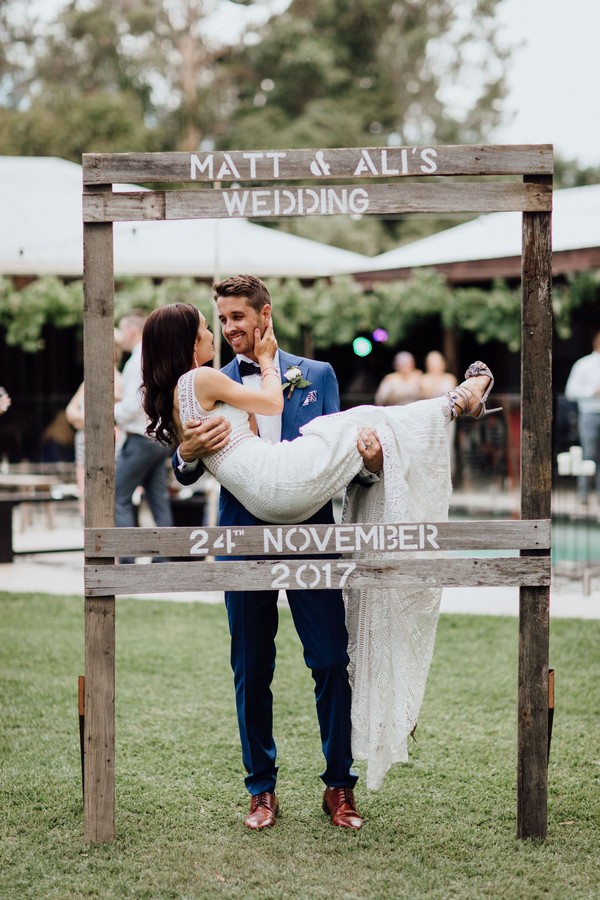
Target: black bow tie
{"type": "Point", "coordinates": [248, 368]}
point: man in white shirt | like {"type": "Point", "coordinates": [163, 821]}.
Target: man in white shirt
{"type": "Point", "coordinates": [583, 386]}
{"type": "Point", "coordinates": [141, 460]}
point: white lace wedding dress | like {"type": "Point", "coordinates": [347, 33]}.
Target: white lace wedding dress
{"type": "Point", "coordinates": [391, 631]}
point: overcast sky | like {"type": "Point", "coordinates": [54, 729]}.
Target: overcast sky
{"type": "Point", "coordinates": [554, 78]}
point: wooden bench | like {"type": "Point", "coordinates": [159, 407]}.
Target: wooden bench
{"type": "Point", "coordinates": [10, 499]}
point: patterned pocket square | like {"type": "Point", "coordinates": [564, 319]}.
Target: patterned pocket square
{"type": "Point", "coordinates": [311, 397]}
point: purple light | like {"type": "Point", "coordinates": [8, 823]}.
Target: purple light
{"type": "Point", "coordinates": [380, 334]}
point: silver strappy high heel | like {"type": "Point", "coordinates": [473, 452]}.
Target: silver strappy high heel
{"type": "Point", "coordinates": [465, 402]}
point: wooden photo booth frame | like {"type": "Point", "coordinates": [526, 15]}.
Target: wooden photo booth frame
{"type": "Point", "coordinates": [318, 182]}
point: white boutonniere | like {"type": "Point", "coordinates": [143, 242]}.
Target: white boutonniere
{"type": "Point", "coordinates": [294, 379]}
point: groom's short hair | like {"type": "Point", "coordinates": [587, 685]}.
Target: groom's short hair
{"type": "Point", "coordinates": [249, 286]}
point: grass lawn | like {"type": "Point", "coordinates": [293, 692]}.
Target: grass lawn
{"type": "Point", "coordinates": [442, 827]}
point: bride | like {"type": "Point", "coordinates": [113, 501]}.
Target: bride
{"type": "Point", "coordinates": [289, 481]}
{"type": "Point", "coordinates": [390, 640]}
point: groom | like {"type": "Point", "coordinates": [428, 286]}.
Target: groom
{"type": "Point", "coordinates": [244, 303]}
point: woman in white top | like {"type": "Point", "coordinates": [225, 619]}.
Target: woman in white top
{"type": "Point", "coordinates": [75, 416]}
{"type": "Point", "coordinates": [436, 380]}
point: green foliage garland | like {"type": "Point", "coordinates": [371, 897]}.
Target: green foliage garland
{"type": "Point", "coordinates": [330, 312]}
{"type": "Point", "coordinates": [24, 313]}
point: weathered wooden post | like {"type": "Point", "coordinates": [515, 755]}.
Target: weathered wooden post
{"type": "Point", "coordinates": [536, 484]}
{"type": "Point", "coordinates": [99, 732]}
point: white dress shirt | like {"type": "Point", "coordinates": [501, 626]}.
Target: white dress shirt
{"type": "Point", "coordinates": [269, 427]}
{"type": "Point", "coordinates": [583, 384]}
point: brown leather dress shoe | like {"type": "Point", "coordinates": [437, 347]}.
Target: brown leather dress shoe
{"type": "Point", "coordinates": [339, 804]}
{"type": "Point", "coordinates": [264, 808]}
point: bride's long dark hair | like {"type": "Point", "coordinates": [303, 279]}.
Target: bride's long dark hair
{"type": "Point", "coordinates": [167, 352]}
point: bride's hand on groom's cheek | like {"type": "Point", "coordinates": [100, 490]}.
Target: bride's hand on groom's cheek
{"type": "Point", "coordinates": [265, 345]}
{"type": "Point", "coordinates": [200, 438]}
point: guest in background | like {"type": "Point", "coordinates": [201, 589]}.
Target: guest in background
{"type": "Point", "coordinates": [5, 400]}
{"type": "Point", "coordinates": [583, 386]}
{"type": "Point", "coordinates": [401, 386]}
{"type": "Point", "coordinates": [57, 439]}
{"type": "Point", "coordinates": [436, 381]}
{"type": "Point", "coordinates": [75, 416]}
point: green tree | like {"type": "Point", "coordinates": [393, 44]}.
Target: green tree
{"type": "Point", "coordinates": [327, 313]}
{"type": "Point", "coordinates": [149, 52]}
{"type": "Point", "coordinates": [324, 73]}
{"type": "Point", "coordinates": [332, 73]}
{"type": "Point", "coordinates": [66, 88]}
{"type": "Point", "coordinates": [569, 173]}
{"type": "Point", "coordinates": [17, 38]}
{"type": "Point", "coordinates": [24, 313]}
{"type": "Point", "coordinates": [66, 127]}
{"type": "Point", "coordinates": [328, 73]}
{"type": "Point", "coordinates": [136, 75]}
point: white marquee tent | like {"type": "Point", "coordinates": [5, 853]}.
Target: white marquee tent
{"type": "Point", "coordinates": [495, 236]}
{"type": "Point", "coordinates": [41, 233]}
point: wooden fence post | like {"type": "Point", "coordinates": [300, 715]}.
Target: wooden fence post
{"type": "Point", "coordinates": [536, 483]}
{"type": "Point", "coordinates": [99, 734]}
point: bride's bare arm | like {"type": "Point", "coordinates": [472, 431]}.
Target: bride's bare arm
{"type": "Point", "coordinates": [212, 386]}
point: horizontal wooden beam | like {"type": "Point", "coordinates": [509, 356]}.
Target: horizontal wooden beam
{"type": "Point", "coordinates": [320, 200]}
{"type": "Point", "coordinates": [323, 574]}
{"type": "Point", "coordinates": [298, 540]}
{"type": "Point", "coordinates": [294, 165]}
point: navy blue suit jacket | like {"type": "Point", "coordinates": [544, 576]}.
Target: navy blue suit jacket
{"type": "Point", "coordinates": [320, 398]}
